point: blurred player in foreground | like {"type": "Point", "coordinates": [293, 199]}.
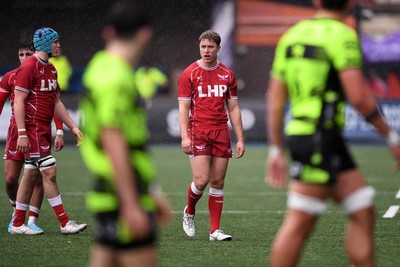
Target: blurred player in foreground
{"type": "Point", "coordinates": [125, 197]}
{"type": "Point", "coordinates": [37, 99]}
{"type": "Point", "coordinates": [13, 160]}
{"type": "Point", "coordinates": [207, 93]}
{"type": "Point", "coordinates": [317, 66]}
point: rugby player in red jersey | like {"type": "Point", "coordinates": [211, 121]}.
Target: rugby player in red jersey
{"type": "Point", "coordinates": [37, 98]}
{"type": "Point", "coordinates": [207, 94]}
{"type": "Point", "coordinates": [13, 160]}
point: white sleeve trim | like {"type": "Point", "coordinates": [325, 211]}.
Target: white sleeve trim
{"type": "Point", "coordinates": [19, 88]}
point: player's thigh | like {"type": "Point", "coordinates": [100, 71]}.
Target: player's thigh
{"type": "Point", "coordinates": [138, 257]}
{"type": "Point", "coordinates": [302, 202]}
{"type": "Point", "coordinates": [200, 168]}
{"type": "Point", "coordinates": [221, 143]}
{"type": "Point", "coordinates": [347, 182]}
{"type": "Point", "coordinates": [102, 256]}
{"type": "Point", "coordinates": [218, 170]}
{"type": "Point", "coordinates": [49, 174]}
{"type": "Point", "coordinates": [299, 223]}
{"type": "Point", "coordinates": [12, 169]}
{"type": "Point", "coordinates": [315, 190]}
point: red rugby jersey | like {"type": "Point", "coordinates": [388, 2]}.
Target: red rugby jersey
{"type": "Point", "coordinates": [6, 90]}
{"type": "Point", "coordinates": [39, 79]}
{"type": "Point", "coordinates": [208, 89]}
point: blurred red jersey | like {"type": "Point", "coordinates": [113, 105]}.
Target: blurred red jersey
{"type": "Point", "coordinates": [208, 89]}
{"type": "Point", "coordinates": [6, 91]}
{"type": "Point", "coordinates": [38, 79]}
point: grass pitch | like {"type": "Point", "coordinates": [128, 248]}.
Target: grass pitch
{"type": "Point", "coordinates": [252, 215]}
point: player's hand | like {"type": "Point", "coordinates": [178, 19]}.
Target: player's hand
{"type": "Point", "coordinates": [276, 171]}
{"type": "Point", "coordinates": [58, 142]}
{"type": "Point", "coordinates": [187, 146]}
{"type": "Point", "coordinates": [23, 145]}
{"type": "Point", "coordinates": [78, 135]}
{"type": "Point", "coordinates": [163, 209]}
{"type": "Point", "coordinates": [240, 149]}
{"type": "Point", "coordinates": [395, 149]}
{"type": "Point", "coordinates": [136, 219]}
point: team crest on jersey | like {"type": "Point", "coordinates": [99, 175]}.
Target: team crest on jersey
{"type": "Point", "coordinates": [41, 72]}
{"type": "Point", "coordinates": [223, 77]}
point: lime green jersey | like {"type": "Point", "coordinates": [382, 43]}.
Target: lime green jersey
{"type": "Point", "coordinates": [308, 58]}
{"type": "Point", "coordinates": [111, 102]}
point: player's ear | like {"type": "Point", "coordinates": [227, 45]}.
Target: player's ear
{"type": "Point", "coordinates": [143, 35]}
{"type": "Point", "coordinates": [108, 33]}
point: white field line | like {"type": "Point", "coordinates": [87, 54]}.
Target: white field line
{"type": "Point", "coordinates": [391, 212]}
{"type": "Point", "coordinates": [237, 194]}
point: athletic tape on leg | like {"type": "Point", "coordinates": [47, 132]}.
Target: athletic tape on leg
{"type": "Point", "coordinates": [307, 204]}
{"type": "Point", "coordinates": [30, 164]}
{"type": "Point", "coordinates": [358, 200]}
{"type": "Point", "coordinates": [46, 162]}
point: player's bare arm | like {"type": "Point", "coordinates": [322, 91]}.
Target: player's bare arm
{"type": "Point", "coordinates": [184, 106]}
{"type": "Point", "coordinates": [19, 113]}
{"type": "Point", "coordinates": [59, 139]}
{"type": "Point", "coordinates": [132, 213]}
{"type": "Point", "coordinates": [276, 172]}
{"type": "Point", "coordinates": [235, 117]}
{"type": "Point", "coordinates": [362, 100]}
{"type": "Point", "coordinates": [3, 99]}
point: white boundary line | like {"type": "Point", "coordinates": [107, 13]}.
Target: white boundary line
{"type": "Point", "coordinates": [398, 194]}
{"type": "Point", "coordinates": [391, 212]}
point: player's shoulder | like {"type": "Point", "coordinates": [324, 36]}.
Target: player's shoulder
{"type": "Point", "coordinates": [29, 63]}
{"type": "Point", "coordinates": [30, 60]}
{"type": "Point", "coordinates": [223, 67]}
{"type": "Point", "coordinates": [193, 66]}
{"type": "Point", "coordinates": [189, 70]}
{"type": "Point", "coordinates": [9, 74]}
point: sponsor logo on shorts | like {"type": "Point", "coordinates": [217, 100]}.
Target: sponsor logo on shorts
{"type": "Point", "coordinates": [12, 152]}
{"type": "Point", "coordinates": [200, 148]}
{"type": "Point", "coordinates": [45, 148]}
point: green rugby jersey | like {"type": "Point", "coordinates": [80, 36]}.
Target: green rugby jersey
{"type": "Point", "coordinates": [308, 58]}
{"type": "Point", "coordinates": [111, 102]}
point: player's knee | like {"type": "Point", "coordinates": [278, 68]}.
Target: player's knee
{"type": "Point", "coordinates": [12, 175]}
{"type": "Point", "coordinates": [307, 204]}
{"type": "Point", "coordinates": [217, 184]}
{"type": "Point", "coordinates": [200, 183]}
{"type": "Point", "coordinates": [11, 179]}
{"type": "Point", "coordinates": [360, 199]}
{"type": "Point", "coordinates": [46, 163]}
